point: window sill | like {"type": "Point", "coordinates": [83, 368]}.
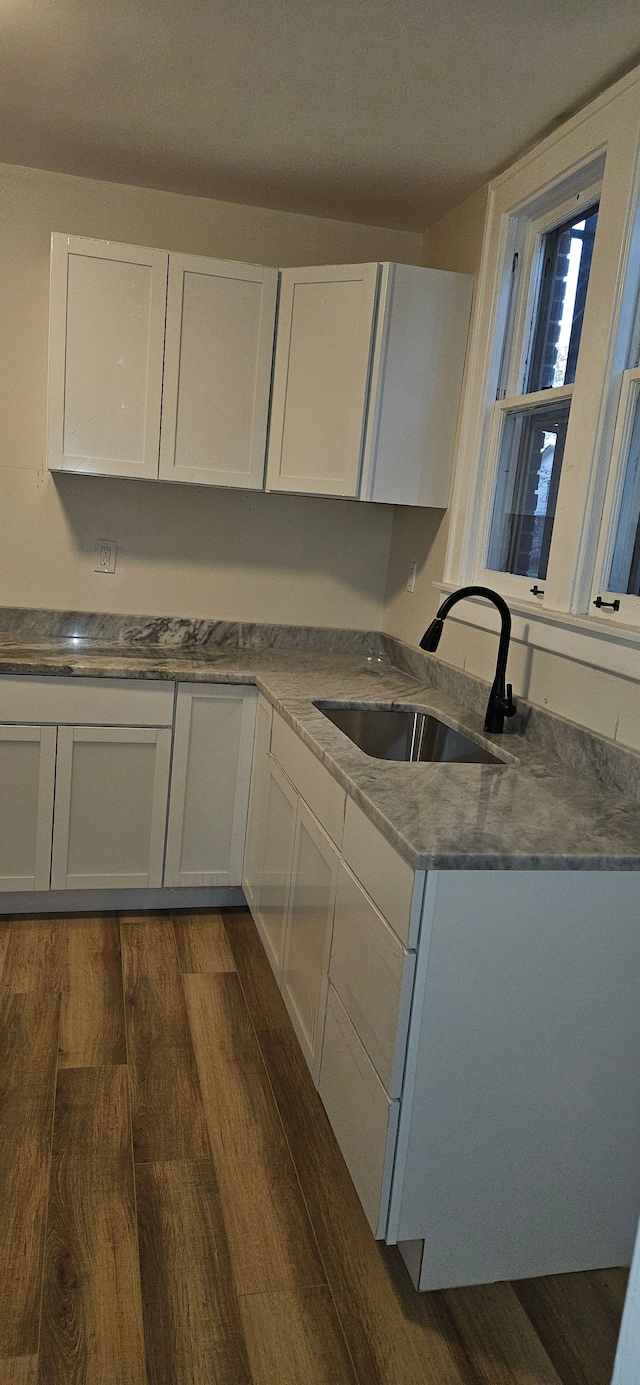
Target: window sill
{"type": "Point", "coordinates": [600, 644]}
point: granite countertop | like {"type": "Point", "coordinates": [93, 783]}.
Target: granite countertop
{"type": "Point", "coordinates": [531, 812]}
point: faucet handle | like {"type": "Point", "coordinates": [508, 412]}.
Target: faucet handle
{"type": "Point", "coordinates": [509, 705]}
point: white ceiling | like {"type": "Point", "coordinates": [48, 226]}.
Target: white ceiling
{"type": "Point", "coordinates": [382, 111]}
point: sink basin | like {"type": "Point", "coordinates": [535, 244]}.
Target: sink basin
{"type": "Point", "coordinates": [399, 734]}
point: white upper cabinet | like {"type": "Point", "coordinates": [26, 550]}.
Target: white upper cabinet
{"type": "Point", "coordinates": [367, 380]}
{"type": "Point", "coordinates": [160, 366]}
{"type": "Point", "coordinates": [106, 347]}
{"type": "Point", "coordinates": [321, 372]}
{"type": "Point", "coordinates": [110, 305]}
{"type": "Point", "coordinates": [416, 382]}
{"type": "Point", "coordinates": [217, 371]}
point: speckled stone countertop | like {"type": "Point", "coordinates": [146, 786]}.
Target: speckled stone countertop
{"type": "Point", "coordinates": [562, 799]}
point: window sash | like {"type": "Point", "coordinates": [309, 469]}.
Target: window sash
{"type": "Point", "coordinates": [509, 583]}
{"type": "Point", "coordinates": [550, 251]}
{"type": "Point", "coordinates": [519, 532]}
{"type": "Point", "coordinates": [527, 234]}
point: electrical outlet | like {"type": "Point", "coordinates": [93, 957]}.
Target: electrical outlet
{"type": "Point", "coordinates": [411, 578]}
{"type": "Point", "coordinates": [105, 559]}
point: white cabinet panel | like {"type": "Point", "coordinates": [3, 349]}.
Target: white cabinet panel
{"type": "Point", "coordinates": [110, 807]}
{"type": "Point", "coordinates": [321, 372]}
{"type": "Point", "coordinates": [373, 976]}
{"type": "Point", "coordinates": [89, 701]}
{"type": "Point", "coordinates": [106, 347]}
{"type": "Point", "coordinates": [324, 795]}
{"type": "Point", "coordinates": [27, 772]}
{"type": "Point", "coordinates": [363, 1119]}
{"type": "Point", "coordinates": [270, 854]}
{"type": "Point", "coordinates": [394, 886]}
{"type": "Point", "coordinates": [416, 381]}
{"type": "Point", "coordinates": [217, 374]}
{"type": "Point", "coordinates": [209, 784]}
{"type": "Point", "coordinates": [367, 381]}
{"type": "Point", "coordinates": [308, 936]}
{"type": "Point", "coordinates": [521, 1107]}
{"type": "Point", "coordinates": [256, 817]}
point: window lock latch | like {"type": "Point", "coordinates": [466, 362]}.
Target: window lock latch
{"type": "Point", "coordinates": [613, 605]}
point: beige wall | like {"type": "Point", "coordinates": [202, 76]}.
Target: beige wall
{"type": "Point", "coordinates": [181, 550]}
{"type": "Point", "coordinates": [420, 536]}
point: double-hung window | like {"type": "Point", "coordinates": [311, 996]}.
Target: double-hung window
{"type": "Point", "coordinates": [546, 496]}
{"type": "Point", "coordinates": [533, 427]}
{"type": "Point", "coordinates": [541, 339]}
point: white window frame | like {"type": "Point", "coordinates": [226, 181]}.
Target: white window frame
{"type": "Point", "coordinates": [629, 611]}
{"type": "Point", "coordinates": [601, 142]}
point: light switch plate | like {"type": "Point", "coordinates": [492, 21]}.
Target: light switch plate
{"type": "Point", "coordinates": [105, 556]}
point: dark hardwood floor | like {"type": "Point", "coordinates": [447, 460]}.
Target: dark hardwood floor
{"type": "Point", "coordinates": [174, 1208]}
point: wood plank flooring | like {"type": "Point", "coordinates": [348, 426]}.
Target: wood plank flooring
{"type": "Point", "coordinates": [174, 1209]}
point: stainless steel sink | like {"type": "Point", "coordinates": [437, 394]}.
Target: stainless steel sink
{"type": "Point", "coordinates": [391, 733]}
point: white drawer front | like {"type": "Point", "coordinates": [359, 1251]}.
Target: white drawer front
{"type": "Point", "coordinates": [364, 1120]}
{"type": "Point", "coordinates": [315, 785]}
{"type": "Point", "coordinates": [86, 701]}
{"type": "Point", "coordinates": [373, 976]}
{"type": "Point", "coordinates": [392, 883]}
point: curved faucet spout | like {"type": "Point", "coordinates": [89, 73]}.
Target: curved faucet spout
{"type": "Point", "coordinates": [500, 704]}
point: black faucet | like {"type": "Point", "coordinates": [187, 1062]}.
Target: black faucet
{"type": "Point", "coordinates": [500, 704]}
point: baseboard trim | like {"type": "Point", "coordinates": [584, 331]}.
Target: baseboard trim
{"type": "Point", "coordinates": [105, 901]}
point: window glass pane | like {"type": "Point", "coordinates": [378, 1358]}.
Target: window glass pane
{"type": "Point", "coordinates": [528, 479]}
{"type": "Point", "coordinates": [566, 263]}
{"type": "Point", "coordinates": [625, 569]}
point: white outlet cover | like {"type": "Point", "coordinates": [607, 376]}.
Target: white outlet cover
{"type": "Point", "coordinates": [105, 555]}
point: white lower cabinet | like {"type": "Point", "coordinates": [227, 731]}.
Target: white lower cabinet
{"type": "Point", "coordinates": [363, 1117]}
{"type": "Point", "coordinates": [27, 774]}
{"type": "Point", "coordinates": [106, 744]}
{"type": "Point", "coordinates": [372, 974]}
{"type": "Point", "coordinates": [270, 846]}
{"type": "Point", "coordinates": [309, 907]}
{"type": "Point", "coordinates": [314, 877]}
{"type": "Point", "coordinates": [110, 807]}
{"type": "Point", "coordinates": [209, 784]}
{"type": "Point", "coordinates": [453, 1024]}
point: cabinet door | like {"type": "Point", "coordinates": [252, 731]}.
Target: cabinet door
{"type": "Point", "coordinates": [209, 784]}
{"type": "Point", "coordinates": [27, 772]}
{"type": "Point", "coordinates": [372, 974]}
{"type": "Point", "coordinates": [110, 807]}
{"type": "Point", "coordinates": [308, 936]}
{"type": "Point", "coordinates": [326, 324]}
{"type": "Point", "coordinates": [268, 868]}
{"type": "Point", "coordinates": [256, 820]}
{"type": "Point", "coordinates": [106, 347]}
{"type": "Point", "coordinates": [416, 380]}
{"type": "Point", "coordinates": [217, 374]}
{"type": "Point", "coordinates": [364, 1120]}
